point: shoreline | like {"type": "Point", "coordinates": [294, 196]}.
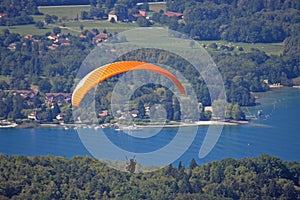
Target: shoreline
{"type": "Point", "coordinates": [198, 123]}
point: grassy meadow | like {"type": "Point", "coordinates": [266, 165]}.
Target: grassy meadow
{"type": "Point", "coordinates": [70, 12]}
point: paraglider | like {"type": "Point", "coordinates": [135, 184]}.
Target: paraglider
{"type": "Point", "coordinates": [130, 165]}
{"type": "Point", "coordinates": [102, 73]}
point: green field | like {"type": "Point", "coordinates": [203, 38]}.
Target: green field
{"type": "Point", "coordinates": [31, 29]}
{"type": "Point", "coordinates": [101, 25]}
{"type": "Point", "coordinates": [70, 12]}
{"type": "Point", "coordinates": [156, 7]}
{"type": "Point", "coordinates": [269, 48]}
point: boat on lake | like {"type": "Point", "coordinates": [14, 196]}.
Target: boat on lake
{"type": "Point", "coordinates": [7, 124]}
{"type": "Point", "coordinates": [128, 128]}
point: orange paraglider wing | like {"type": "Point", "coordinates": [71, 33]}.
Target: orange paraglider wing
{"type": "Point", "coordinates": [100, 74]}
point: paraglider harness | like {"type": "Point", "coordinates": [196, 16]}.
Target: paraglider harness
{"type": "Point", "coordinates": [130, 165]}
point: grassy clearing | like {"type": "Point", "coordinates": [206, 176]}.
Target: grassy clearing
{"type": "Point", "coordinates": [269, 48]}
{"type": "Point", "coordinates": [26, 29]}
{"type": "Point", "coordinates": [101, 25]}
{"type": "Point", "coordinates": [156, 7]}
{"type": "Point", "coordinates": [272, 48]}
{"type": "Point", "coordinates": [31, 29]}
{"type": "Point", "coordinates": [70, 12]}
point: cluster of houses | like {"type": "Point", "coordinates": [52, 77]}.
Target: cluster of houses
{"type": "Point", "coordinates": [142, 14]}
{"type": "Point", "coordinates": [60, 40]}
{"type": "Point", "coordinates": [50, 98]}
{"type": "Point", "coordinates": [56, 41]}
{"type": "Point", "coordinates": [63, 40]}
{"type": "Point", "coordinates": [97, 39]}
{"type": "Point", "coordinates": [274, 85]}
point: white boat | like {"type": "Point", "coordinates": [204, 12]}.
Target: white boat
{"type": "Point", "coordinates": [130, 128]}
{"type": "Point", "coordinates": [8, 125]}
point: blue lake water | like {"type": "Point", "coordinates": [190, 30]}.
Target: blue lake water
{"type": "Point", "coordinates": [277, 133]}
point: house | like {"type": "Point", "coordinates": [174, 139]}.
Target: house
{"type": "Point", "coordinates": [104, 113]}
{"type": "Point", "coordinates": [134, 113]}
{"type": "Point", "coordinates": [57, 97]}
{"type": "Point", "coordinates": [82, 36]}
{"type": "Point", "coordinates": [112, 15]}
{"type": "Point", "coordinates": [208, 108]}
{"type": "Point", "coordinates": [33, 116]}
{"type": "Point", "coordinates": [12, 46]}
{"type": "Point", "coordinates": [176, 14]}
{"type": "Point", "coordinates": [60, 116]}
{"type": "Point", "coordinates": [100, 37]}
{"type": "Point", "coordinates": [53, 37]}
{"type": "Point", "coordinates": [2, 15]}
{"type": "Point", "coordinates": [141, 14]}
{"type": "Point", "coordinates": [28, 36]}
{"type": "Point", "coordinates": [275, 85]}
{"type": "Point", "coordinates": [65, 44]}
{"type": "Point", "coordinates": [26, 94]}
{"type": "Point", "coordinates": [53, 46]}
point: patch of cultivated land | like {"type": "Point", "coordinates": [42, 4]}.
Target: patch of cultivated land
{"type": "Point", "coordinates": [70, 12]}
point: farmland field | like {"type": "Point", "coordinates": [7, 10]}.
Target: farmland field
{"type": "Point", "coordinates": [70, 12]}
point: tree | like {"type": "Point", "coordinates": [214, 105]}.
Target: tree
{"type": "Point", "coordinates": [56, 30]}
{"type": "Point", "coordinates": [141, 109]}
{"type": "Point", "coordinates": [180, 166]}
{"type": "Point", "coordinates": [142, 22]}
{"type": "Point", "coordinates": [176, 109]}
{"type": "Point", "coordinates": [84, 15]}
{"type": "Point", "coordinates": [145, 6]}
{"type": "Point", "coordinates": [48, 19]}
{"type": "Point", "coordinates": [237, 113]}
{"type": "Point", "coordinates": [193, 164]}
{"type": "Point", "coordinates": [121, 12]}
{"type": "Point", "coordinates": [39, 24]}
{"type": "Point", "coordinates": [81, 27]}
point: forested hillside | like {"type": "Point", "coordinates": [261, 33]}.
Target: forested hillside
{"type": "Point", "coordinates": [238, 20]}
{"type": "Point", "coordinates": [51, 177]}
{"type": "Point", "coordinates": [13, 13]}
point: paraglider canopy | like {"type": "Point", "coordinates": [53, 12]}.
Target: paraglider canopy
{"type": "Point", "coordinates": [102, 73]}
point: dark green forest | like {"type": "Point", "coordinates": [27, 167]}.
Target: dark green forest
{"type": "Point", "coordinates": [48, 177]}
{"type": "Point", "coordinates": [14, 13]}
{"type": "Point", "coordinates": [237, 20]}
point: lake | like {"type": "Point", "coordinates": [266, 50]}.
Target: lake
{"type": "Point", "coordinates": [276, 133]}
